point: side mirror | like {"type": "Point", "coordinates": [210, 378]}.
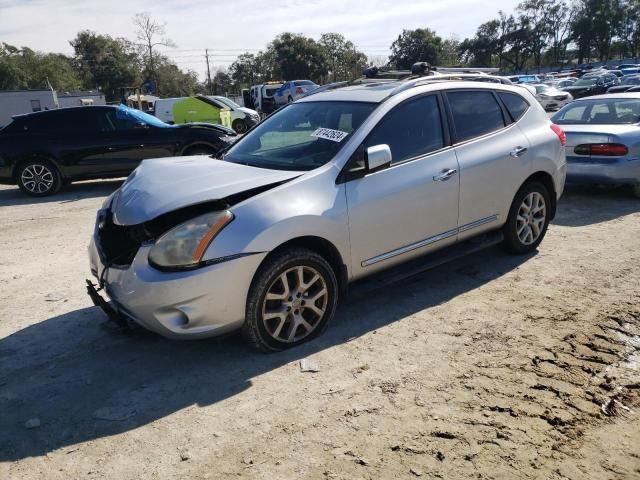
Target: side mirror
{"type": "Point", "coordinates": [377, 157]}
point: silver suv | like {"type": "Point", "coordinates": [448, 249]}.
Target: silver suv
{"type": "Point", "coordinates": [330, 189]}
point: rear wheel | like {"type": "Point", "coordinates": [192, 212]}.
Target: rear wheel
{"type": "Point", "coordinates": [528, 219]}
{"type": "Point", "coordinates": [39, 178]}
{"type": "Point", "coordinates": [291, 300]}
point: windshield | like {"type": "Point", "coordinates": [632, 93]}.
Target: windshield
{"type": "Point", "coordinates": [600, 112]}
{"type": "Point", "coordinates": [585, 82]}
{"type": "Point", "coordinates": [301, 136]}
{"type": "Point", "coordinates": [542, 88]}
{"type": "Point", "coordinates": [126, 113]}
{"type": "Point", "coordinates": [228, 102]}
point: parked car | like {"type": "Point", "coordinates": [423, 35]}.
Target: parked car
{"type": "Point", "coordinates": [592, 84]}
{"type": "Point", "coordinates": [630, 69]}
{"type": "Point", "coordinates": [565, 82]}
{"type": "Point", "coordinates": [328, 190]}
{"type": "Point", "coordinates": [206, 109]}
{"type": "Point", "coordinates": [262, 97]}
{"type": "Point", "coordinates": [524, 79]}
{"type": "Point", "coordinates": [242, 118]}
{"type": "Point", "coordinates": [603, 139]}
{"type": "Point", "coordinates": [551, 98]}
{"type": "Point", "coordinates": [293, 90]}
{"type": "Point", "coordinates": [41, 151]}
{"type": "Point", "coordinates": [627, 82]}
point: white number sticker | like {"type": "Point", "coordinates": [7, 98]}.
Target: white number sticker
{"type": "Point", "coordinates": [329, 134]}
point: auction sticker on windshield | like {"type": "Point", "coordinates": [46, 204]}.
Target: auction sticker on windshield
{"type": "Point", "coordinates": [329, 134]}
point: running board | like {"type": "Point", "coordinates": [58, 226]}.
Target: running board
{"type": "Point", "coordinates": [412, 268]}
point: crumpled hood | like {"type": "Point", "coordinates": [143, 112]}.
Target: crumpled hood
{"type": "Point", "coordinates": [162, 185]}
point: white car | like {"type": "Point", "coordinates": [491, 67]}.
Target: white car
{"type": "Point", "coordinates": [293, 90]}
{"type": "Point", "coordinates": [242, 118]}
{"type": "Point", "coordinates": [550, 97]}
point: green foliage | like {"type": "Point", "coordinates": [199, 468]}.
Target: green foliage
{"type": "Point", "coordinates": [342, 59]}
{"type": "Point", "coordinates": [106, 63]}
{"type": "Point", "coordinates": [23, 69]}
{"type": "Point", "coordinates": [420, 45]}
{"type": "Point", "coordinates": [297, 56]}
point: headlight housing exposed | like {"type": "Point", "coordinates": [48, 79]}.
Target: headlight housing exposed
{"type": "Point", "coordinates": [183, 246]}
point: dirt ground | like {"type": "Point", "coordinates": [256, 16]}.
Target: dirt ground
{"type": "Point", "coordinates": [493, 366]}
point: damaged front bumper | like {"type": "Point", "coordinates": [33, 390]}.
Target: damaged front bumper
{"type": "Point", "coordinates": [198, 303]}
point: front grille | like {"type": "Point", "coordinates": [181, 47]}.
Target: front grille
{"type": "Point", "coordinates": [560, 97]}
{"type": "Point", "coordinates": [118, 245]}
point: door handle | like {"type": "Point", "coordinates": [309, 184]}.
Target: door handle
{"type": "Point", "coordinates": [516, 152]}
{"type": "Point", "coordinates": [445, 175]}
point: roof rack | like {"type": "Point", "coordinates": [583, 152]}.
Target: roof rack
{"type": "Point", "coordinates": [421, 73]}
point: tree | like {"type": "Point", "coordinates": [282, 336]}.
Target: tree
{"type": "Point", "coordinates": [297, 57]}
{"type": "Point", "coordinates": [450, 55]}
{"type": "Point", "coordinates": [175, 82]}
{"type": "Point", "coordinates": [106, 63]}
{"type": "Point", "coordinates": [23, 68]}
{"type": "Point", "coordinates": [535, 23]}
{"type": "Point", "coordinates": [420, 45]}
{"type": "Point", "coordinates": [344, 62]}
{"type": "Point", "coordinates": [222, 83]}
{"type": "Point", "coordinates": [148, 32]}
{"type": "Point", "coordinates": [560, 19]}
{"type": "Point", "coordinates": [596, 23]}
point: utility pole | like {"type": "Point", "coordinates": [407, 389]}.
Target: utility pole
{"type": "Point", "coordinates": [206, 54]}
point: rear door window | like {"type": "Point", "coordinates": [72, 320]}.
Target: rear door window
{"type": "Point", "coordinates": [412, 129]}
{"type": "Point", "coordinates": [475, 113]}
{"type": "Point", "coordinates": [516, 105]}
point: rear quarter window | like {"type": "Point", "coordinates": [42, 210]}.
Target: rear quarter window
{"type": "Point", "coordinates": [516, 105]}
{"type": "Point", "coordinates": [475, 113]}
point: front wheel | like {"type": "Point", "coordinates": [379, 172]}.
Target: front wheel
{"type": "Point", "coordinates": [291, 300]}
{"type": "Point", "coordinates": [39, 178]}
{"type": "Point", "coordinates": [239, 126]}
{"type": "Point", "coordinates": [528, 219]}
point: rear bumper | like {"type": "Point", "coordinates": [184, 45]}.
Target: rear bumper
{"type": "Point", "coordinates": [615, 171]}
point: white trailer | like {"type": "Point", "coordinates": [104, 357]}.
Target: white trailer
{"type": "Point", "coordinates": [81, 98]}
{"type": "Point", "coordinates": [17, 102]}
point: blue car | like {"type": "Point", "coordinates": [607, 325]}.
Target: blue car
{"type": "Point", "coordinates": [603, 139]}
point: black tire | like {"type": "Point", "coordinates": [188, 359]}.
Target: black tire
{"type": "Point", "coordinates": [636, 190]}
{"type": "Point", "coordinates": [513, 242]}
{"type": "Point", "coordinates": [199, 150]}
{"type": "Point", "coordinates": [239, 126]}
{"type": "Point", "coordinates": [254, 329]}
{"type": "Point", "coordinates": [289, 99]}
{"type": "Point", "coordinates": [38, 178]}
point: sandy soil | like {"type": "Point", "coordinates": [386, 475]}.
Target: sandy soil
{"type": "Point", "coordinates": [493, 366]}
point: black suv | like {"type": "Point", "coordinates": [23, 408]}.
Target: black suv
{"type": "Point", "coordinates": [41, 151]}
{"type": "Point", "coordinates": [594, 83]}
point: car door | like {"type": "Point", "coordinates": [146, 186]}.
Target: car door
{"type": "Point", "coordinates": [410, 207]}
{"type": "Point", "coordinates": [81, 144]}
{"type": "Point", "coordinates": [130, 141]}
{"type": "Point", "coordinates": [493, 154]}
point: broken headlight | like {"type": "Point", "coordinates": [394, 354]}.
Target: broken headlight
{"type": "Point", "coordinates": [184, 246]}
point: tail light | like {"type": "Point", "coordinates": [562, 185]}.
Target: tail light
{"type": "Point", "coordinates": [602, 149]}
{"type": "Point", "coordinates": [299, 90]}
{"type": "Point", "coordinates": [560, 133]}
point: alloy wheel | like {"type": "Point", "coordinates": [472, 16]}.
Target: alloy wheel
{"type": "Point", "coordinates": [294, 304]}
{"type": "Point", "coordinates": [37, 178]}
{"type": "Point", "coordinates": [531, 218]}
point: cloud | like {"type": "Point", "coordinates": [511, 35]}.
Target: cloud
{"type": "Point", "coordinates": [230, 27]}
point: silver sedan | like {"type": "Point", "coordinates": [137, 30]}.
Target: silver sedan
{"type": "Point", "coordinates": [331, 189]}
{"type": "Point", "coordinates": [603, 139]}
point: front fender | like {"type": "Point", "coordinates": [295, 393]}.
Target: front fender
{"type": "Point", "coordinates": [312, 205]}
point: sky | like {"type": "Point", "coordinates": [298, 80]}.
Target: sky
{"type": "Point", "coordinates": [230, 27]}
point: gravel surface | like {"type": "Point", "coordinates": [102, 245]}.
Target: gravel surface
{"type": "Point", "coordinates": [493, 366]}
